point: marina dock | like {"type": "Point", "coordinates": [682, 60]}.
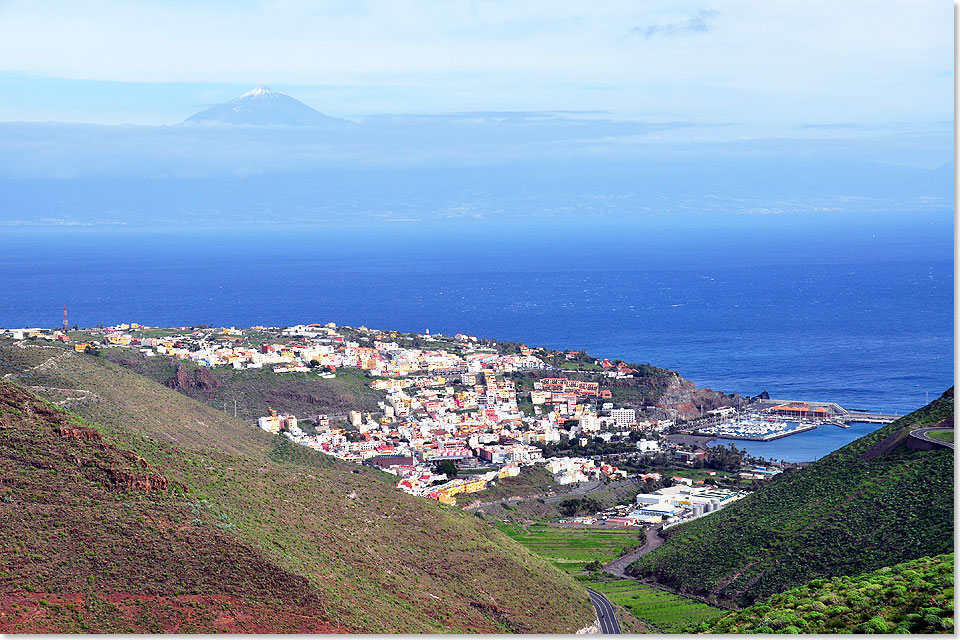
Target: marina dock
{"type": "Point", "coordinates": [768, 420]}
{"type": "Point", "coordinates": [882, 418]}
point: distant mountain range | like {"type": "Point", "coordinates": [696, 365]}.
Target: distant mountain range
{"type": "Point", "coordinates": [265, 156]}
{"type": "Point", "coordinates": [266, 106]}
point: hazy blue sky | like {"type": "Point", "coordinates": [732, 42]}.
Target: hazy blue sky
{"type": "Point", "coordinates": [814, 67]}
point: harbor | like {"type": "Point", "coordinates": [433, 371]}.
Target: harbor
{"type": "Point", "coordinates": [767, 419]}
{"type": "Point", "coordinates": [756, 430]}
{"type": "Point", "coordinates": [762, 428]}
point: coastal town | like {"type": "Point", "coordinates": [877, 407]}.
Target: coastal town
{"type": "Point", "coordinates": [456, 415]}
{"type": "Point", "coordinates": [594, 465]}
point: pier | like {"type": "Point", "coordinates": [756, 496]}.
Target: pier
{"type": "Point", "coordinates": [882, 418]}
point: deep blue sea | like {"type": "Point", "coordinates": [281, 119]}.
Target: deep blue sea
{"type": "Point", "coordinates": [857, 310]}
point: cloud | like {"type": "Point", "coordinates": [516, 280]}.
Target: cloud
{"type": "Point", "coordinates": [769, 64]}
{"type": "Point", "coordinates": [833, 125]}
{"type": "Point", "coordinates": [700, 22]}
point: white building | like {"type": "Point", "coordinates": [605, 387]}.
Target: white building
{"type": "Point", "coordinates": [648, 446]}
{"type": "Point", "coordinates": [589, 423]}
{"type": "Point", "coordinates": [722, 411]}
{"type": "Point", "coordinates": [624, 417]}
{"type": "Point", "coordinates": [269, 423]}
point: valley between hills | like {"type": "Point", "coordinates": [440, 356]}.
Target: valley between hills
{"type": "Point", "coordinates": [133, 500]}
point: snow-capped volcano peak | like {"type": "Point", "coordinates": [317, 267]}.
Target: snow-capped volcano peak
{"type": "Point", "coordinates": [266, 106]}
{"type": "Point", "coordinates": [261, 90]}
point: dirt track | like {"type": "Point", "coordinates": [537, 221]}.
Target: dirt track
{"type": "Point", "coordinates": [618, 567]}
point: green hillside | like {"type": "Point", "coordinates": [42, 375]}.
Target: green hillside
{"type": "Point", "coordinates": [95, 538]}
{"type": "Point", "coordinates": [913, 597]}
{"type": "Point", "coordinates": [871, 504]}
{"type": "Point", "coordinates": [333, 546]}
{"type": "Point", "coordinates": [252, 391]}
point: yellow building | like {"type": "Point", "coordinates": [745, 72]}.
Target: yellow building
{"type": "Point", "coordinates": [476, 485]}
{"type": "Point", "coordinates": [509, 471]}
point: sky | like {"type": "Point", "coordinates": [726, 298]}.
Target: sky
{"type": "Point", "coordinates": [740, 68]}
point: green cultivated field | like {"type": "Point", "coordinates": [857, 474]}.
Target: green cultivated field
{"type": "Point", "coordinates": [572, 549]}
{"type": "Point", "coordinates": [668, 612]}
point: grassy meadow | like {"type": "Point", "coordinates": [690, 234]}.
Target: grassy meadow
{"type": "Point", "coordinates": [572, 550]}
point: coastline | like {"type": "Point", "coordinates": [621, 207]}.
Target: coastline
{"type": "Point", "coordinates": [584, 302]}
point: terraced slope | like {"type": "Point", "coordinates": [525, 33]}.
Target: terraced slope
{"type": "Point", "coordinates": [913, 597]}
{"type": "Point", "coordinates": [871, 504]}
{"type": "Point", "coordinates": [360, 555]}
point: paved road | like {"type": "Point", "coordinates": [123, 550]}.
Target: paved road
{"type": "Point", "coordinates": [606, 616]}
{"type": "Point", "coordinates": [921, 434]}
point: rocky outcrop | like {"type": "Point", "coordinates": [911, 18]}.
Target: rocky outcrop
{"type": "Point", "coordinates": [136, 458]}
{"type": "Point", "coordinates": [682, 399]}
{"type": "Point", "coordinates": [201, 378]}
{"type": "Point", "coordinates": [204, 379]}
{"type": "Point", "coordinates": [80, 433]}
{"type": "Point", "coordinates": [120, 478]}
{"type": "Point", "coordinates": [180, 380]}
{"type": "Point", "coordinates": [138, 481]}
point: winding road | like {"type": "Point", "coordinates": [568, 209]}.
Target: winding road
{"type": "Point", "coordinates": [603, 607]}
{"type": "Point", "coordinates": [606, 616]}
{"type": "Point", "coordinates": [921, 434]}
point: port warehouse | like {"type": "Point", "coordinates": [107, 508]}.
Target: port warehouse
{"type": "Point", "coordinates": [801, 409]}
